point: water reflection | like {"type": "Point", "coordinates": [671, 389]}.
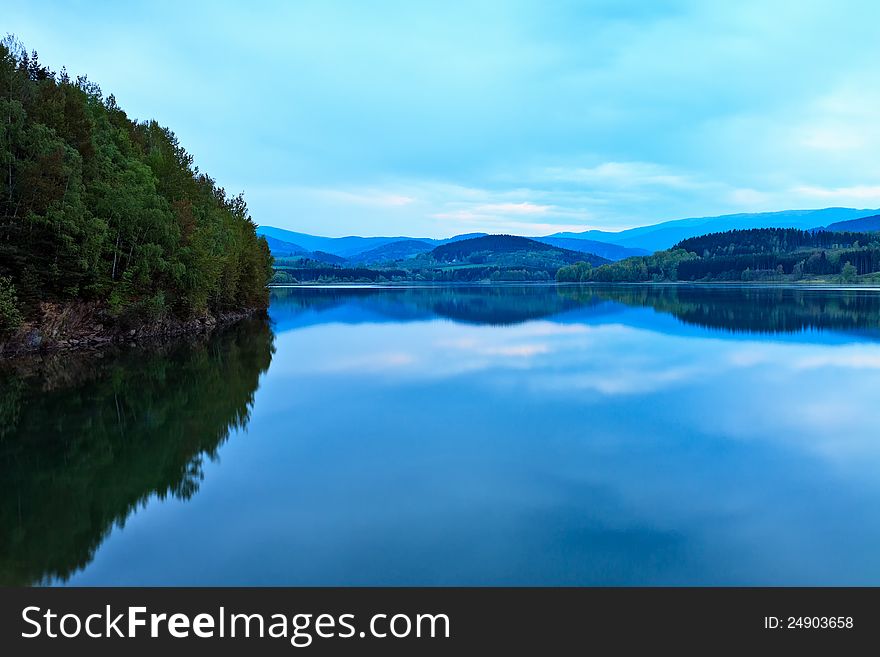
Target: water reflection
{"type": "Point", "coordinates": [468, 435]}
{"type": "Point", "coordinates": [85, 440]}
{"type": "Point", "coordinates": [753, 309]}
{"type": "Point", "coordinates": [747, 309]}
{"type": "Point", "coordinates": [613, 435]}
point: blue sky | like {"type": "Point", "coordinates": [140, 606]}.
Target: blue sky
{"type": "Point", "coordinates": [432, 119]}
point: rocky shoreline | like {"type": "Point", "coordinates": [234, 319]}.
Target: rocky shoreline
{"type": "Point", "coordinates": [63, 327]}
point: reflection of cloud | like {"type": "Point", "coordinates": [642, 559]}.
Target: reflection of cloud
{"type": "Point", "coordinates": [465, 343]}
{"type": "Point", "coordinates": [813, 398]}
{"type": "Point", "coordinates": [627, 381]}
{"type": "Point", "coordinates": [748, 356]}
{"type": "Point", "coordinates": [858, 358]}
{"type": "Point", "coordinates": [369, 362]}
{"type": "Point", "coordinates": [521, 350]}
{"type": "Point", "coordinates": [791, 357]}
{"type": "Point", "coordinates": [549, 328]}
{"type": "Point", "coordinates": [487, 348]}
{"type": "Point", "coordinates": [808, 397]}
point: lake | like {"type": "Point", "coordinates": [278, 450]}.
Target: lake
{"type": "Point", "coordinates": [534, 435]}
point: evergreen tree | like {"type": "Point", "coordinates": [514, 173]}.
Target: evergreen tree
{"type": "Point", "coordinates": [96, 206]}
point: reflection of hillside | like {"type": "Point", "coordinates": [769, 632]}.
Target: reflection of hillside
{"type": "Point", "coordinates": [84, 442]}
{"type": "Point", "coordinates": [496, 305]}
{"type": "Point", "coordinates": [753, 310]}
{"type": "Point", "coordinates": [735, 309]}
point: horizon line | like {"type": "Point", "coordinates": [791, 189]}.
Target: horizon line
{"type": "Point", "coordinates": [586, 230]}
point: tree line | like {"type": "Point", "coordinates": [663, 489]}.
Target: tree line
{"type": "Point", "coordinates": [96, 206]}
{"type": "Point", "coordinates": [746, 255]}
{"type": "Point", "coordinates": [772, 240]}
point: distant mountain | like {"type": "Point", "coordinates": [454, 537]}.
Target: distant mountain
{"type": "Point", "coordinates": [862, 225]}
{"type": "Point", "coordinates": [456, 238]}
{"type": "Point", "coordinates": [281, 248]}
{"type": "Point", "coordinates": [618, 245]}
{"type": "Point", "coordinates": [346, 247]}
{"type": "Point", "coordinates": [663, 235]}
{"type": "Point", "coordinates": [340, 246]}
{"type": "Point", "coordinates": [605, 249]}
{"type": "Point", "coordinates": [329, 258]}
{"type": "Point", "coordinates": [507, 250]}
{"type": "Point", "coordinates": [393, 251]}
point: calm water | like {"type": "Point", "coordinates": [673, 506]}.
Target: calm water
{"type": "Point", "coordinates": [502, 435]}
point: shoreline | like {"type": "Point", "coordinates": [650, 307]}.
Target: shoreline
{"type": "Point", "coordinates": [80, 326]}
{"type": "Point", "coordinates": [815, 285]}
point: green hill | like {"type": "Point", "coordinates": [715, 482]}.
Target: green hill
{"type": "Point", "coordinates": [759, 254]}
{"type": "Point", "coordinates": [398, 250]}
{"type": "Point", "coordinates": [769, 240]}
{"type": "Point", "coordinates": [862, 225]}
{"type": "Point", "coordinates": [602, 249]}
{"type": "Point", "coordinates": [509, 250]}
{"type": "Point", "coordinates": [664, 235]}
{"type": "Point", "coordinates": [479, 259]}
{"type": "Point", "coordinates": [280, 248]}
{"type": "Point", "coordinates": [497, 258]}
{"type": "Point", "coordinates": [99, 209]}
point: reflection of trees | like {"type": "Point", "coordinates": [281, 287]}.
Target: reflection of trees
{"type": "Point", "coordinates": [498, 305]}
{"type": "Point", "coordinates": [745, 309]}
{"type": "Point", "coordinates": [85, 440]}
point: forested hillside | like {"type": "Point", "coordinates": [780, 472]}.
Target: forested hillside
{"type": "Point", "coordinates": [493, 244]}
{"type": "Point", "coordinates": [488, 258]}
{"type": "Point", "coordinates": [770, 240]}
{"type": "Point", "coordinates": [863, 225]}
{"type": "Point", "coordinates": [97, 207]}
{"type": "Point", "coordinates": [760, 254]}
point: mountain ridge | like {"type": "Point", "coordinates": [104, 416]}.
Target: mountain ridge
{"type": "Point", "coordinates": [861, 225]}
{"type": "Point", "coordinates": [607, 250]}
{"type": "Point", "coordinates": [607, 244]}
{"type": "Point", "coordinates": [663, 235]}
{"type": "Point", "coordinates": [399, 250]}
{"type": "Point", "coordinates": [349, 246]}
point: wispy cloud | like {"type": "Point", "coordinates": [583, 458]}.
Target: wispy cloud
{"type": "Point", "coordinates": [857, 194]}
{"type": "Point", "coordinates": [374, 120]}
{"type": "Point", "coordinates": [490, 223]}
{"type": "Point", "coordinates": [523, 208]}
{"type": "Point", "coordinates": [509, 216]}
{"type": "Point", "coordinates": [376, 198]}
{"type": "Point", "coordinates": [622, 174]}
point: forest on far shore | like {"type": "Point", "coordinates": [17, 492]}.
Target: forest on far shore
{"type": "Point", "coordinates": [758, 254]}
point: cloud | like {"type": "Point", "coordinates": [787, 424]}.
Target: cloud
{"type": "Point", "coordinates": [366, 363]}
{"type": "Point", "coordinates": [377, 198]}
{"type": "Point", "coordinates": [750, 199]}
{"type": "Point", "coordinates": [623, 174]}
{"type": "Point", "coordinates": [858, 194]}
{"type": "Point", "coordinates": [524, 208]}
{"type": "Point", "coordinates": [493, 224]}
{"type": "Point", "coordinates": [510, 216]}
{"type": "Point", "coordinates": [833, 138]}
{"type": "Point", "coordinates": [394, 119]}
